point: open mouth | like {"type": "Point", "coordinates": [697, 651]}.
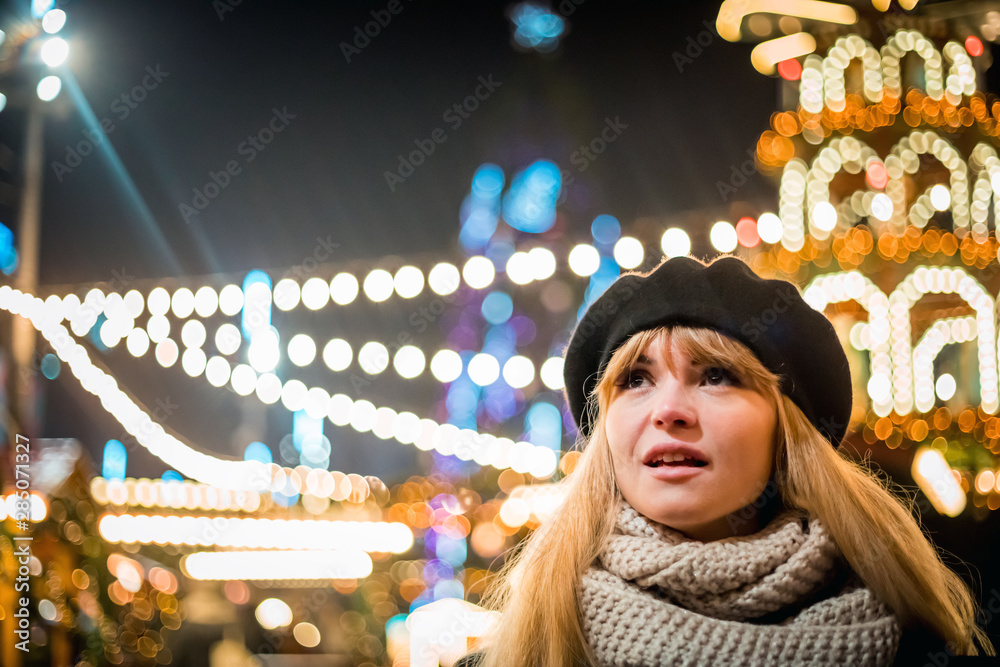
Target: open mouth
{"type": "Point", "coordinates": [689, 462]}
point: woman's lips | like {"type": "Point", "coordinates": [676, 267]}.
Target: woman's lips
{"type": "Point", "coordinates": [675, 472]}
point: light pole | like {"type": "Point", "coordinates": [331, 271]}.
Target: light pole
{"type": "Point", "coordinates": [23, 386]}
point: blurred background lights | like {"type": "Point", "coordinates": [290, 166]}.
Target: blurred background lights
{"type": "Point", "coordinates": [478, 272]}
{"type": "Point", "coordinates": [378, 285]}
{"type": "Point", "coordinates": [217, 371]}
{"type": "Point", "coordinates": [945, 386]}
{"type": "Point", "coordinates": [543, 262]}
{"type": "Point", "coordinates": [301, 350]}
{"type": "Point", "coordinates": [484, 369]}
{"type": "Point", "coordinates": [443, 278]}
{"type": "Point", "coordinates": [182, 303]}
{"type": "Point", "coordinates": [940, 197]}
{"type": "Point", "coordinates": [193, 333]}
{"type": "Point", "coordinates": [974, 46]}
{"type": "Point", "coordinates": [315, 293]}
{"type": "Point", "coordinates": [824, 216]}
{"type": "Point", "coordinates": [206, 302]}
{"type": "Point", "coordinates": [530, 203]}
{"type": "Point", "coordinates": [446, 366]}
{"type": "Point", "coordinates": [746, 233]}
{"type": "Point", "coordinates": [306, 634]}
{"type": "Point", "coordinates": [264, 353]}
{"type": "Point", "coordinates": [769, 228]}
{"type": "Point", "coordinates": [790, 70]}
{"type": "Point", "coordinates": [53, 21]}
{"type": "Point", "coordinates": [55, 50]}
{"type": "Point", "coordinates": [227, 338]}
{"type": "Point", "coordinates": [166, 353]}
{"type": "Point", "coordinates": [675, 242]}
{"type": "Point", "coordinates": [230, 299]}
{"type": "Point", "coordinates": [409, 361]}
{"type": "Point", "coordinates": [881, 207]}
{"type": "Point", "coordinates": [629, 252]}
{"type": "Point", "coordinates": [48, 88]}
{"type": "Point", "coordinates": [552, 373]}
{"type": "Point", "coordinates": [408, 282]}
{"type": "Point", "coordinates": [193, 361]}
{"type": "Point", "coordinates": [876, 174]}
{"type": "Point", "coordinates": [113, 463]}
{"type": "Point", "coordinates": [343, 288]}
{"type": "Point", "coordinates": [273, 613]}
{"type": "Point", "coordinates": [337, 354]}
{"type": "Point", "coordinates": [137, 342]}
{"type": "Point", "coordinates": [584, 260]}
{"type": "Point", "coordinates": [723, 236]}
{"type": "Point", "coordinates": [373, 358]}
{"type": "Point", "coordinates": [518, 372]}
{"type": "Point", "coordinates": [605, 229]}
{"type": "Point", "coordinates": [536, 28]}
{"type": "Point", "coordinates": [497, 307]}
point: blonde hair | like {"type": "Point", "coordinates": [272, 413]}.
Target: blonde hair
{"type": "Point", "coordinates": [537, 588]}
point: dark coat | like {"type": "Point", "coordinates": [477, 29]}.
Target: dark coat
{"type": "Point", "coordinates": [917, 648]}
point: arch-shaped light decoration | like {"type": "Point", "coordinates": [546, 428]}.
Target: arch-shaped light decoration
{"type": "Point", "coordinates": [939, 334]}
{"type": "Point", "coordinates": [904, 159]}
{"type": "Point", "coordinates": [838, 57]}
{"type": "Point", "coordinates": [939, 280]}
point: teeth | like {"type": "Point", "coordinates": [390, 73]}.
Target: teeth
{"type": "Point", "coordinates": [669, 458]}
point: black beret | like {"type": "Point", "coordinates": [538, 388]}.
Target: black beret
{"type": "Point", "coordinates": [770, 317]}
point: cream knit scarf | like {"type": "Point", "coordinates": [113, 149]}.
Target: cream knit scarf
{"type": "Point", "coordinates": [782, 596]}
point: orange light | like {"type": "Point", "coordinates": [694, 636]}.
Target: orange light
{"type": "Point", "coordinates": [973, 46]}
{"type": "Point", "coordinates": [746, 232]}
{"type": "Point", "coordinates": [791, 70]}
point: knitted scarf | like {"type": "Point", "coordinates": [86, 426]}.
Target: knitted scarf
{"type": "Point", "coordinates": [782, 596]}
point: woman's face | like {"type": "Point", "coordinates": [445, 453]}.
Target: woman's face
{"type": "Point", "coordinates": [706, 412]}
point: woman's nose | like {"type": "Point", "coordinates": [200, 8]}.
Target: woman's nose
{"type": "Point", "coordinates": [674, 405]}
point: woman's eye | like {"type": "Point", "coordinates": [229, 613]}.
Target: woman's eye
{"type": "Point", "coordinates": [632, 380]}
{"type": "Point", "coordinates": [719, 375]}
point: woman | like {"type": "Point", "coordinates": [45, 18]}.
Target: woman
{"type": "Point", "coordinates": [709, 521]}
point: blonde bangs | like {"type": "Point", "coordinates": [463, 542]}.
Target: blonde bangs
{"type": "Point", "coordinates": [702, 346]}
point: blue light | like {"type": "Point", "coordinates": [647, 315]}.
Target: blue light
{"type": "Point", "coordinates": [487, 183]}
{"type": "Point", "coordinates": [449, 589]}
{"type": "Point", "coordinates": [605, 229]}
{"type": "Point", "coordinates": [171, 476]}
{"type": "Point", "coordinates": [39, 7]}
{"type": "Point", "coordinates": [498, 251]}
{"type": "Point", "coordinates": [95, 333]}
{"type": "Point", "coordinates": [258, 451]}
{"type": "Point", "coordinates": [536, 28]}
{"type": "Point", "coordinates": [115, 458]}
{"type": "Point", "coordinates": [479, 221]}
{"type": "Point", "coordinates": [497, 307]}
{"type": "Point", "coordinates": [544, 425]}
{"type": "Point", "coordinates": [530, 203]}
{"type": "Point", "coordinates": [50, 366]}
{"type": "Point", "coordinates": [450, 550]}
{"type": "Point", "coordinates": [254, 316]}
